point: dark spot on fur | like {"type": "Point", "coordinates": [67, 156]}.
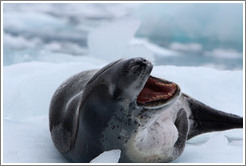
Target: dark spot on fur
{"type": "Point", "coordinates": [118, 137]}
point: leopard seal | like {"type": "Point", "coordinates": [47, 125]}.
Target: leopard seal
{"type": "Point", "coordinates": [122, 106]}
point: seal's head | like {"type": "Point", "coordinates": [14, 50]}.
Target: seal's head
{"type": "Point", "coordinates": [131, 80]}
{"type": "Point", "coordinates": [123, 78]}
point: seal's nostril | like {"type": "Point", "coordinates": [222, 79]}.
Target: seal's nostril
{"type": "Point", "coordinates": [141, 63]}
{"type": "Point", "coordinates": [142, 59]}
{"type": "Point", "coordinates": [139, 59]}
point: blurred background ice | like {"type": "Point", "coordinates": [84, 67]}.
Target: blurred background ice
{"type": "Point", "coordinates": [199, 46]}
{"type": "Point", "coordinates": [201, 34]}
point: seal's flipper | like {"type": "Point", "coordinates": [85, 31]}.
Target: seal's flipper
{"type": "Point", "coordinates": [182, 125]}
{"type": "Point", "coordinates": [205, 119]}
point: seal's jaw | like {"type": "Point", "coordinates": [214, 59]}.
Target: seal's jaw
{"type": "Point", "coordinates": [157, 93]}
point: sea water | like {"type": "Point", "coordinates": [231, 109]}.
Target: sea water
{"type": "Point", "coordinates": [201, 34]}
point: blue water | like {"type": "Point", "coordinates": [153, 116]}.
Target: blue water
{"type": "Point", "coordinates": [32, 30]}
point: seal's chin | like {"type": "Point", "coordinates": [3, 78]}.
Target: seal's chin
{"type": "Point", "coordinates": [157, 92]}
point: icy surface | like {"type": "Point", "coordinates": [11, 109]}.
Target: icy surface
{"type": "Point", "coordinates": [28, 88]}
{"type": "Point", "coordinates": [108, 157]}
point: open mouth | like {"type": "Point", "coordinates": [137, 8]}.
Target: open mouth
{"type": "Point", "coordinates": [157, 92]}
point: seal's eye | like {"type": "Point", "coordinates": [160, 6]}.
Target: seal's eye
{"type": "Point", "coordinates": [157, 92]}
{"type": "Point", "coordinates": [117, 94]}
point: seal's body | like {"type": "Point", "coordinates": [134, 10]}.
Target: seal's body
{"type": "Point", "coordinates": [122, 107]}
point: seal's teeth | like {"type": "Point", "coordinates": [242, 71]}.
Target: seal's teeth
{"type": "Point", "coordinates": [163, 84]}
{"type": "Point", "coordinates": [159, 83]}
{"type": "Point", "coordinates": [157, 97]}
{"type": "Point", "coordinates": [163, 96]}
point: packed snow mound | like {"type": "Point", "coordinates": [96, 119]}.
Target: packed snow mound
{"type": "Point", "coordinates": [28, 88]}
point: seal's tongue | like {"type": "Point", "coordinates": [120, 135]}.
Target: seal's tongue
{"type": "Point", "coordinates": [156, 90]}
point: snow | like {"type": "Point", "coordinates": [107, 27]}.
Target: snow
{"type": "Point", "coordinates": [18, 42]}
{"type": "Point", "coordinates": [190, 47]}
{"type": "Point", "coordinates": [213, 151]}
{"type": "Point", "coordinates": [224, 53]}
{"type": "Point", "coordinates": [157, 50]}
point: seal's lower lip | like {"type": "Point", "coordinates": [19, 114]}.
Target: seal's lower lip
{"type": "Point", "coordinates": [157, 92]}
